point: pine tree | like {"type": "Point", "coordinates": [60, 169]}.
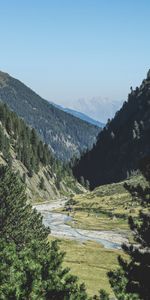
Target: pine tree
{"type": "Point", "coordinates": [42, 184]}
{"type": "Point", "coordinates": [132, 280]}
{"type": "Point", "coordinates": [30, 267]}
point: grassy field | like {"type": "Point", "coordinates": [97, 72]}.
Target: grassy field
{"type": "Point", "coordinates": [105, 208]}
{"type": "Point", "coordinates": [90, 262]}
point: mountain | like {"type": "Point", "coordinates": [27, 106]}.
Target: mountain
{"type": "Point", "coordinates": [21, 148]}
{"type": "Point", "coordinates": [97, 108]}
{"type": "Point", "coordinates": [122, 143]}
{"type": "Point", "coordinates": [81, 116]}
{"type": "Point", "coordinates": [65, 134]}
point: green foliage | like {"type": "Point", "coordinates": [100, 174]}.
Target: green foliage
{"type": "Point", "coordinates": [28, 147]}
{"type": "Point", "coordinates": [30, 267]}
{"type": "Point", "coordinates": [121, 144]}
{"type": "Point", "coordinates": [41, 184]}
{"type": "Point", "coordinates": [24, 178]}
{"type": "Point", "coordinates": [4, 144]}
{"type": "Point", "coordinates": [131, 281]}
{"type": "Point", "coordinates": [104, 295]}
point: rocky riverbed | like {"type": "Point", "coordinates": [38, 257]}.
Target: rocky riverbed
{"type": "Point", "coordinates": [59, 228]}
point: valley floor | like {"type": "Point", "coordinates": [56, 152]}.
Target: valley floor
{"type": "Point", "coordinates": [90, 229]}
{"type": "Point", "coordinates": [90, 261]}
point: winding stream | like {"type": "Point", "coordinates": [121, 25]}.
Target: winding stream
{"type": "Point", "coordinates": [59, 228]}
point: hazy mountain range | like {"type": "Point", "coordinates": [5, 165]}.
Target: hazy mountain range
{"type": "Point", "coordinates": [81, 116]}
{"type": "Point", "coordinates": [97, 108]}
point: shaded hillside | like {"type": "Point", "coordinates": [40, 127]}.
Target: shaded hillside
{"type": "Point", "coordinates": [21, 148]}
{"type": "Point", "coordinates": [65, 134]}
{"type": "Point", "coordinates": [122, 143]}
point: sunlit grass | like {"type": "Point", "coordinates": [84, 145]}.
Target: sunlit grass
{"type": "Point", "coordinates": [105, 208]}
{"type": "Point", "coordinates": [90, 262]}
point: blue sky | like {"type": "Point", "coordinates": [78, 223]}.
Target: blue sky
{"type": "Point", "coordinates": [71, 49]}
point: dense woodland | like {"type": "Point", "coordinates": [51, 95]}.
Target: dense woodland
{"type": "Point", "coordinates": [64, 133]}
{"type": "Point", "coordinates": [121, 144]}
{"type": "Point", "coordinates": [27, 145]}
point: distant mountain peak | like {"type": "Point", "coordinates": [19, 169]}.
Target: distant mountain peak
{"type": "Point", "coordinates": [97, 108]}
{"type": "Point", "coordinates": [80, 115]}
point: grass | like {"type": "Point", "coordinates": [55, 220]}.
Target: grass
{"type": "Point", "coordinates": [90, 262]}
{"type": "Point", "coordinates": [97, 221]}
{"type": "Point", "coordinates": [105, 208]}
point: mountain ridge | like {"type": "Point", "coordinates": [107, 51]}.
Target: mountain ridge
{"type": "Point", "coordinates": [66, 135]}
{"type": "Point", "coordinates": [122, 142]}
{"type": "Point", "coordinates": [21, 149]}
{"type": "Point", "coordinates": [80, 115]}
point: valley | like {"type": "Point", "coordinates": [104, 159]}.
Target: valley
{"type": "Point", "coordinates": [106, 207]}
{"type": "Point", "coordinates": [90, 261]}
{"type": "Point", "coordinates": [89, 254]}
{"type": "Point", "coordinates": [91, 239]}
{"type": "Point", "coordinates": [89, 226]}
{"type": "Point", "coordinates": [75, 150]}
{"type": "Point", "coordinates": [90, 229]}
{"type": "Point", "coordinates": [59, 228]}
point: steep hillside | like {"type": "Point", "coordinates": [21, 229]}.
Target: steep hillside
{"type": "Point", "coordinates": [65, 134]}
{"type": "Point", "coordinates": [122, 143]}
{"type": "Point", "coordinates": [20, 147]}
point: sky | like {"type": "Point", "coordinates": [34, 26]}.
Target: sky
{"type": "Point", "coordinates": [73, 50]}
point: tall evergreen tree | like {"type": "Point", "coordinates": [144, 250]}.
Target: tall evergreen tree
{"type": "Point", "coordinates": [30, 267]}
{"type": "Point", "coordinates": [132, 280]}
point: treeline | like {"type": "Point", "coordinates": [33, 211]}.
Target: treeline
{"type": "Point", "coordinates": [27, 145]}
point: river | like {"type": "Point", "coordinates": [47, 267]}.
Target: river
{"type": "Point", "coordinates": [59, 228]}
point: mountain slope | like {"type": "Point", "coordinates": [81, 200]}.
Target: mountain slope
{"type": "Point", "coordinates": [122, 143]}
{"type": "Point", "coordinates": [65, 134]}
{"type": "Point", "coordinates": [20, 147]}
{"type": "Point", "coordinates": [80, 115]}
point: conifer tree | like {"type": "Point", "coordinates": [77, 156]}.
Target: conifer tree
{"type": "Point", "coordinates": [132, 280]}
{"type": "Point", "coordinates": [30, 267]}
{"type": "Point", "coordinates": [41, 184]}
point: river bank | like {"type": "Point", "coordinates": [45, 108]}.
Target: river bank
{"type": "Point", "coordinates": [90, 254]}
{"type": "Point", "coordinates": [57, 222]}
